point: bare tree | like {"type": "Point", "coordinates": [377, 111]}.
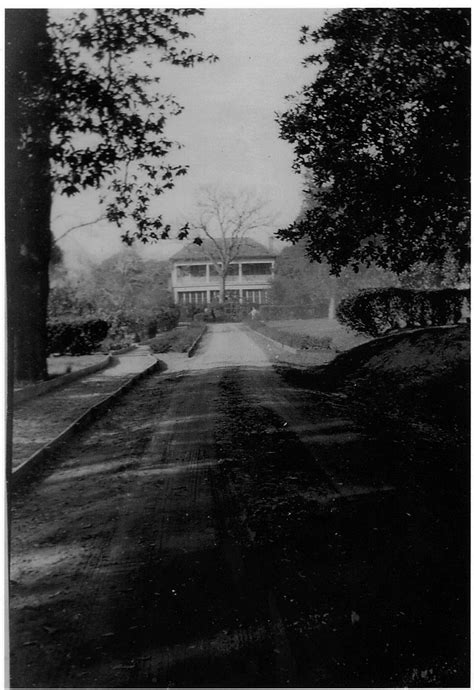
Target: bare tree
{"type": "Point", "coordinates": [223, 220]}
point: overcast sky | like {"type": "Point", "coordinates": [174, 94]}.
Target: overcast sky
{"type": "Point", "coordinates": [228, 129]}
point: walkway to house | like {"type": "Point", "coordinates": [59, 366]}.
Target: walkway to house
{"type": "Point", "coordinates": [39, 420]}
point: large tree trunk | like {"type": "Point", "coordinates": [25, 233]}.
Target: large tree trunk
{"type": "Point", "coordinates": [222, 289]}
{"type": "Point", "coordinates": [28, 191]}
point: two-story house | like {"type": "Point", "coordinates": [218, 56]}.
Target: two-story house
{"type": "Point", "coordinates": [195, 278]}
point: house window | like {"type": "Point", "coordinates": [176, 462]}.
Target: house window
{"type": "Point", "coordinates": [255, 296]}
{"type": "Point", "coordinates": [214, 295]}
{"type": "Point", "coordinates": [257, 269]}
{"type": "Point", "coordinates": [195, 297]}
{"type": "Point", "coordinates": [232, 295]}
{"type": "Point", "coordinates": [233, 270]}
{"type": "Point", "coordinates": [193, 271]}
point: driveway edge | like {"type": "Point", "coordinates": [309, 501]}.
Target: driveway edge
{"type": "Point", "coordinates": [24, 394]}
{"type": "Point", "coordinates": [196, 342]}
{"type": "Point", "coordinates": [288, 348]}
{"type": "Point", "coordinates": [93, 413]}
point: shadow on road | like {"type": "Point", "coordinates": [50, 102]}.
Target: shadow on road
{"type": "Point", "coordinates": [222, 528]}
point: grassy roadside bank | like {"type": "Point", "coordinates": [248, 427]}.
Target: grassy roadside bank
{"type": "Point", "coordinates": [309, 334]}
{"type": "Point", "coordinates": [179, 339]}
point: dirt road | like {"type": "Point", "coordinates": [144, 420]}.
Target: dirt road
{"type": "Point", "coordinates": [222, 529]}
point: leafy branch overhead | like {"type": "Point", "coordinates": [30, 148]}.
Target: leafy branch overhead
{"type": "Point", "coordinates": [107, 116]}
{"type": "Point", "coordinates": [382, 134]}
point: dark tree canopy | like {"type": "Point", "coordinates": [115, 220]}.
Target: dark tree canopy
{"type": "Point", "coordinates": [84, 109]}
{"type": "Point", "coordinates": [109, 114]}
{"type": "Point", "coordinates": [382, 134]}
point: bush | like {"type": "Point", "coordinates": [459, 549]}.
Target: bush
{"type": "Point", "coordinates": [300, 341]}
{"type": "Point", "coordinates": [377, 311]}
{"type": "Point", "coordinates": [166, 319]}
{"type": "Point", "coordinates": [125, 325]}
{"type": "Point", "coordinates": [187, 312]}
{"type": "Point", "coordinates": [76, 336]}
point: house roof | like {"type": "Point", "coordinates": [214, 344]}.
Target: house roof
{"type": "Point", "coordinates": [249, 249]}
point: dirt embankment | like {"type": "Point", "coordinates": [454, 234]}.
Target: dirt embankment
{"type": "Point", "coordinates": [413, 386]}
{"type": "Point", "coordinates": [426, 354]}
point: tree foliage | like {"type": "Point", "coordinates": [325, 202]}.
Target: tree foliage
{"type": "Point", "coordinates": [125, 283]}
{"type": "Point", "coordinates": [84, 110]}
{"type": "Point", "coordinates": [382, 133]}
{"type": "Point", "coordinates": [299, 281]}
{"type": "Point", "coordinates": [125, 290]}
{"type": "Point", "coordinates": [108, 114]}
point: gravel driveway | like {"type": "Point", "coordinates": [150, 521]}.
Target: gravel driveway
{"type": "Point", "coordinates": [220, 528]}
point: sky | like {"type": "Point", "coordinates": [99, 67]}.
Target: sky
{"type": "Point", "coordinates": [228, 129]}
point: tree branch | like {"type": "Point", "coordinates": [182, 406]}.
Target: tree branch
{"type": "Point", "coordinates": [55, 240]}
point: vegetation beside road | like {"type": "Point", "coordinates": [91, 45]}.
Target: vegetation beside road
{"type": "Point", "coordinates": [178, 339]}
{"type": "Point", "coordinates": [392, 190]}
{"type": "Point", "coordinates": [339, 337]}
{"type": "Point", "coordinates": [378, 312]}
{"type": "Point", "coordinates": [309, 334]}
{"type": "Point", "coordinates": [410, 386]}
{"type": "Point", "coordinates": [301, 341]}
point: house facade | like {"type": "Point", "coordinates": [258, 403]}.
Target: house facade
{"type": "Point", "coordinates": [195, 279]}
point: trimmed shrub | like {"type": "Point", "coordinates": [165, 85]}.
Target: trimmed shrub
{"type": "Point", "coordinates": [377, 311]}
{"type": "Point", "coordinates": [75, 336]}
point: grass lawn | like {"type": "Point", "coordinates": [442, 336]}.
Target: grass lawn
{"type": "Point", "coordinates": [66, 363]}
{"type": "Point", "coordinates": [343, 338]}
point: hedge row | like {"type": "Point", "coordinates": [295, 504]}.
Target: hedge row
{"type": "Point", "coordinates": [300, 341]}
{"type": "Point", "coordinates": [79, 336]}
{"type": "Point", "coordinates": [377, 311]}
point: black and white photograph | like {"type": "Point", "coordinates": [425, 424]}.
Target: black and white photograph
{"type": "Point", "coordinates": [237, 265]}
